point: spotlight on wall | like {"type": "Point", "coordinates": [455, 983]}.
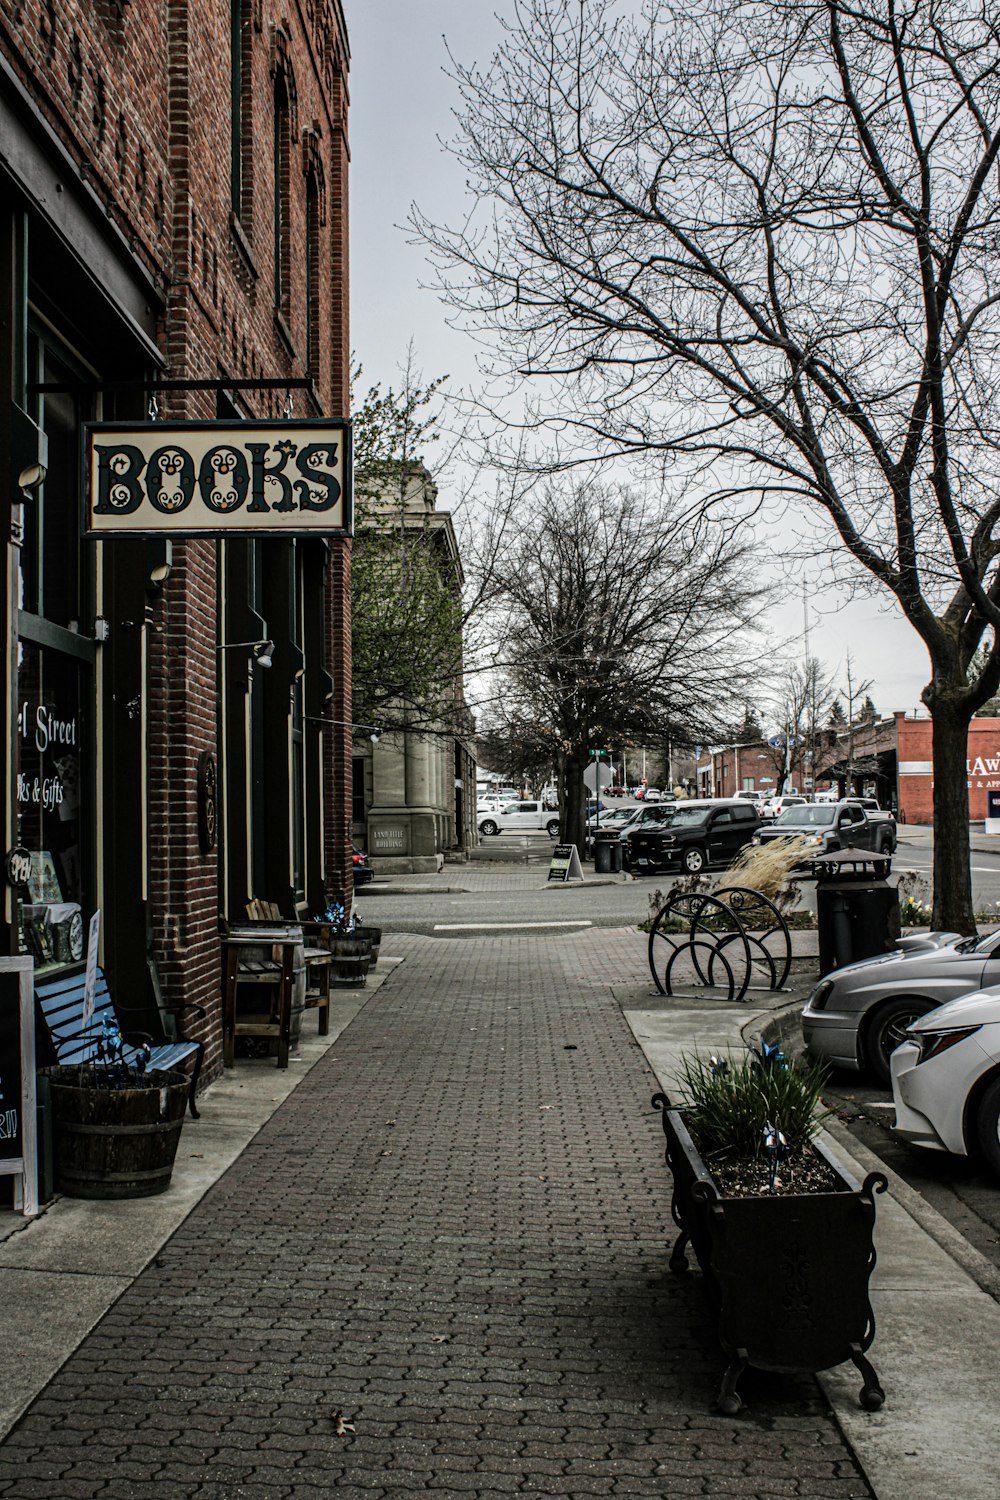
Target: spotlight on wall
{"type": "Point", "coordinates": [30, 479]}
{"type": "Point", "coordinates": [375, 736]}
{"type": "Point", "coordinates": [262, 652]}
{"type": "Point", "coordinates": [159, 560]}
{"type": "Point", "coordinates": [29, 453]}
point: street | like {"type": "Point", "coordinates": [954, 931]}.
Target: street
{"type": "Point", "coordinates": [466, 898]}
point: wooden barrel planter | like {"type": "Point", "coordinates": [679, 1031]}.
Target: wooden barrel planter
{"type": "Point", "coordinates": [350, 960]}
{"type": "Point", "coordinates": [374, 935]}
{"type": "Point", "coordinates": [115, 1143]}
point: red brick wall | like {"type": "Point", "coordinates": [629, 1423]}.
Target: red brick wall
{"type": "Point", "coordinates": [139, 93]}
{"type": "Point", "coordinates": [735, 764]}
{"type": "Point", "coordinates": [916, 784]}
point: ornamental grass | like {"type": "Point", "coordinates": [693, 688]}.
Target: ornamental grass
{"type": "Point", "coordinates": [729, 1106]}
{"type": "Point", "coordinates": [767, 867]}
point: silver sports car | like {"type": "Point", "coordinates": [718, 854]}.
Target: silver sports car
{"type": "Point", "coordinates": [857, 1016]}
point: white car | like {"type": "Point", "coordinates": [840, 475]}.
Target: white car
{"type": "Point", "coordinates": [946, 1079]}
{"type": "Point", "coordinates": [775, 805]}
{"type": "Point", "coordinates": [519, 817]}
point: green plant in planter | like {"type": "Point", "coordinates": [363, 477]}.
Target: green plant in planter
{"type": "Point", "coordinates": [728, 1104]}
{"type": "Point", "coordinates": [786, 1264]}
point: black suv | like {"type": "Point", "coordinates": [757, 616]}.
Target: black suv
{"type": "Point", "coordinates": [693, 836]}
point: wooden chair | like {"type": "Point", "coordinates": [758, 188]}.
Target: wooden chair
{"type": "Point", "coordinates": [260, 956]}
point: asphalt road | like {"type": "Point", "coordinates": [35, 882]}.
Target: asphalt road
{"type": "Point", "coordinates": [624, 900]}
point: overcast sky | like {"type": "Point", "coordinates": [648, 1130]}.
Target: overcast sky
{"type": "Point", "coordinates": [401, 103]}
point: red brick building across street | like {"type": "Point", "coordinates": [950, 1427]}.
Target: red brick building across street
{"type": "Point", "coordinates": [890, 758]}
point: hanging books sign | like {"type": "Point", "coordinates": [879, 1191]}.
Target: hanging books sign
{"type": "Point", "coordinates": [217, 478]}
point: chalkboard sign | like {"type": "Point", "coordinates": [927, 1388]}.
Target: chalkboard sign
{"type": "Point", "coordinates": [565, 863]}
{"type": "Point", "coordinates": [10, 1068]}
{"type": "Point", "coordinates": [18, 1142]}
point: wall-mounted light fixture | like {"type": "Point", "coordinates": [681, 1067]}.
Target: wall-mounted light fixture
{"type": "Point", "coordinates": [262, 652]}
{"type": "Point", "coordinates": [30, 453]}
{"type": "Point", "coordinates": [159, 560]}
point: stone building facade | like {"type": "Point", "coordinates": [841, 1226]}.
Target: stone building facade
{"type": "Point", "coordinates": [174, 245]}
{"type": "Point", "coordinates": [415, 785]}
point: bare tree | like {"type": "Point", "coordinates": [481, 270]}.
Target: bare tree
{"type": "Point", "coordinates": [760, 238]}
{"type": "Point", "coordinates": [861, 713]}
{"type": "Point", "coordinates": [616, 623]}
{"type": "Point", "coordinates": [803, 696]}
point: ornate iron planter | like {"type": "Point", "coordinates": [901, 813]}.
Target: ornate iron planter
{"type": "Point", "coordinates": [787, 1275]}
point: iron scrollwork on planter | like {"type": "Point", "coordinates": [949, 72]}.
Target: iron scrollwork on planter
{"type": "Point", "coordinates": [727, 935]}
{"type": "Point", "coordinates": [787, 1275]}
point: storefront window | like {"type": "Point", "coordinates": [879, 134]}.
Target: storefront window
{"type": "Point", "coordinates": [50, 791]}
{"type": "Point", "coordinates": [50, 554]}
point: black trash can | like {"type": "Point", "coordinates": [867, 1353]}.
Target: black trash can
{"type": "Point", "coordinates": [857, 911]}
{"type": "Point", "coordinates": [607, 853]}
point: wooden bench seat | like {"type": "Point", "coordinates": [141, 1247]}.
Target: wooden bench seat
{"type": "Point", "coordinates": [60, 1004]}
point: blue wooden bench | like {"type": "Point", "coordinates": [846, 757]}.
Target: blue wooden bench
{"type": "Point", "coordinates": [60, 1004]}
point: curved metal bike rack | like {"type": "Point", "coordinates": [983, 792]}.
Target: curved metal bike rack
{"type": "Point", "coordinates": [735, 930]}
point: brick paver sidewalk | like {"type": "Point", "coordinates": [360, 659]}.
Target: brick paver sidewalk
{"type": "Point", "coordinates": [453, 1234]}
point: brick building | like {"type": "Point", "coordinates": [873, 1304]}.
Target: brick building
{"type": "Point", "coordinates": [888, 758]}
{"type": "Point", "coordinates": [174, 215]}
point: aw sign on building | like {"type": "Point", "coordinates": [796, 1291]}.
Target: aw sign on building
{"type": "Point", "coordinates": [217, 478]}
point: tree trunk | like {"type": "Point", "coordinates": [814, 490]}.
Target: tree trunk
{"type": "Point", "coordinates": [953, 908]}
{"type": "Point", "coordinates": [573, 813]}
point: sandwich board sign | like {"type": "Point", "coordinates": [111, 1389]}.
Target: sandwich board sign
{"type": "Point", "coordinates": [565, 863]}
{"type": "Point", "coordinates": [18, 1142]}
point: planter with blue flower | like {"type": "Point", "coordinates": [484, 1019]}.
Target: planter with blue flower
{"type": "Point", "coordinates": [116, 1124]}
{"type": "Point", "coordinates": [782, 1231]}
{"type": "Point", "coordinates": [349, 943]}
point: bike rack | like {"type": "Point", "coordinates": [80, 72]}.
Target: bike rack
{"type": "Point", "coordinates": [735, 929]}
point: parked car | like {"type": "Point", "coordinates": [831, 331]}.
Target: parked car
{"type": "Point", "coordinates": [834, 825]}
{"type": "Point", "coordinates": [519, 817]}
{"type": "Point", "coordinates": [775, 805]}
{"type": "Point", "coordinates": [858, 1015]}
{"type": "Point", "coordinates": [693, 836]}
{"type": "Point", "coordinates": [946, 1079]}
{"type": "Point", "coordinates": [363, 871]}
{"type": "Point", "coordinates": [614, 791]}
{"type": "Point", "coordinates": [653, 794]}
{"type": "Point", "coordinates": [611, 817]}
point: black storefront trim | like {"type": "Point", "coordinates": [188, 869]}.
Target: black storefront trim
{"type": "Point", "coordinates": [44, 633]}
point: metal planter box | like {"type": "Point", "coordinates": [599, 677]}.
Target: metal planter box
{"type": "Point", "coordinates": [787, 1275]}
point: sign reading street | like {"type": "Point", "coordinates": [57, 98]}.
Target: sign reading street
{"type": "Point", "coordinates": [217, 478]}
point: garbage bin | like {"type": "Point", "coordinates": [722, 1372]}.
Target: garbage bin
{"type": "Point", "coordinates": [607, 853]}
{"type": "Point", "coordinates": [857, 911]}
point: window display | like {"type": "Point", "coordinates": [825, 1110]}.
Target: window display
{"type": "Point", "coordinates": [50, 745]}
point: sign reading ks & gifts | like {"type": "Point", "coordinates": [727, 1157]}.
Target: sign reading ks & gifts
{"type": "Point", "coordinates": [217, 478]}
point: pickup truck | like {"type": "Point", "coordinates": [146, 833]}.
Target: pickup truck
{"type": "Point", "coordinates": [519, 817]}
{"type": "Point", "coordinates": [691, 835]}
{"type": "Point", "coordinates": [855, 823]}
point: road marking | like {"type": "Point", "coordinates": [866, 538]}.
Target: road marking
{"type": "Point", "coordinates": [500, 926]}
{"type": "Point", "coordinates": [926, 869]}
